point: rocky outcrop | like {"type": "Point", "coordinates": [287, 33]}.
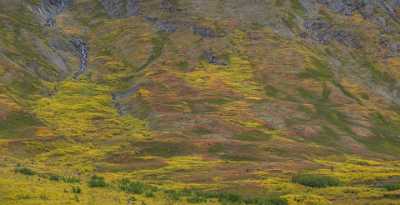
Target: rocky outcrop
{"type": "Point", "coordinates": [345, 7]}
{"type": "Point", "coordinates": [367, 8]}
{"type": "Point", "coordinates": [117, 97]}
{"type": "Point", "coordinates": [163, 25]}
{"type": "Point", "coordinates": [53, 56]}
{"type": "Point", "coordinates": [392, 47]}
{"type": "Point", "coordinates": [127, 93]}
{"type": "Point", "coordinates": [390, 7]}
{"type": "Point", "coordinates": [83, 52]}
{"type": "Point", "coordinates": [49, 9]}
{"type": "Point", "coordinates": [168, 6]}
{"type": "Point", "coordinates": [324, 33]}
{"type": "Point", "coordinates": [132, 7]}
{"type": "Point", "coordinates": [204, 32]}
{"type": "Point", "coordinates": [213, 59]}
{"type": "Point", "coordinates": [121, 8]}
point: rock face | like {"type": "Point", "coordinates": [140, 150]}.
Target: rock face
{"type": "Point", "coordinates": [83, 51]}
{"type": "Point", "coordinates": [345, 7]}
{"type": "Point", "coordinates": [121, 107]}
{"type": "Point", "coordinates": [121, 8]}
{"type": "Point", "coordinates": [163, 25]}
{"type": "Point", "coordinates": [392, 47]}
{"type": "Point", "coordinates": [127, 93]}
{"type": "Point", "coordinates": [323, 32]}
{"type": "Point", "coordinates": [52, 56]}
{"type": "Point", "coordinates": [367, 8]}
{"type": "Point", "coordinates": [49, 9]}
{"type": "Point", "coordinates": [168, 5]}
{"type": "Point", "coordinates": [204, 31]}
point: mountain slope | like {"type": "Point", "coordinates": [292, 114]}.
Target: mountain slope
{"type": "Point", "coordinates": [209, 102]}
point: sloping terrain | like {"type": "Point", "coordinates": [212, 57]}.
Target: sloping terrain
{"type": "Point", "coordinates": [199, 102]}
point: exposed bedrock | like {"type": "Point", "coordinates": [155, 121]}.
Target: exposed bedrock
{"type": "Point", "coordinates": [324, 33]}
{"type": "Point", "coordinates": [83, 51]}
{"type": "Point", "coordinates": [49, 9]}
{"type": "Point", "coordinates": [121, 8]}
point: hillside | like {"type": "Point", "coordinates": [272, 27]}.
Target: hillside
{"type": "Point", "coordinates": [265, 102]}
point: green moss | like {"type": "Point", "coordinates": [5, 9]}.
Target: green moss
{"type": "Point", "coordinates": [297, 7]}
{"type": "Point", "coordinates": [377, 74]}
{"type": "Point", "coordinates": [385, 128]}
{"type": "Point", "coordinates": [216, 148]}
{"type": "Point", "coordinates": [201, 131]}
{"type": "Point", "coordinates": [158, 46]}
{"type": "Point", "coordinates": [320, 70]}
{"type": "Point", "coordinates": [386, 133]}
{"type": "Point", "coordinates": [325, 110]}
{"type": "Point", "coordinates": [346, 92]}
{"type": "Point", "coordinates": [18, 125]}
{"type": "Point", "coordinates": [327, 137]}
{"type": "Point", "coordinates": [272, 91]}
{"type": "Point", "coordinates": [183, 65]}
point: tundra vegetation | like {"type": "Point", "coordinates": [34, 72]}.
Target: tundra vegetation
{"type": "Point", "coordinates": [211, 102]}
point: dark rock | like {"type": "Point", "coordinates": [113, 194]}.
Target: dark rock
{"type": "Point", "coordinates": [166, 26]}
{"type": "Point", "coordinates": [121, 8]}
{"type": "Point", "coordinates": [346, 38]}
{"type": "Point", "coordinates": [324, 33]}
{"type": "Point", "coordinates": [168, 6]}
{"type": "Point", "coordinates": [393, 48]}
{"type": "Point", "coordinates": [345, 7]}
{"type": "Point", "coordinates": [83, 51]}
{"type": "Point", "coordinates": [114, 8]}
{"type": "Point", "coordinates": [318, 30]}
{"type": "Point", "coordinates": [213, 59]}
{"type": "Point", "coordinates": [389, 7]}
{"type": "Point", "coordinates": [133, 8]}
{"type": "Point", "coordinates": [49, 9]}
{"type": "Point", "coordinates": [204, 31]}
{"type": "Point", "coordinates": [121, 108]}
{"type": "Point", "coordinates": [126, 93]}
{"type": "Point", "coordinates": [367, 8]}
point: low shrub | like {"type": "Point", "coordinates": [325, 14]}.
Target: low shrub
{"type": "Point", "coordinates": [266, 201]}
{"type": "Point", "coordinates": [390, 186]}
{"type": "Point", "coordinates": [97, 181]}
{"type": "Point", "coordinates": [71, 180]}
{"type": "Point", "coordinates": [76, 190]}
{"type": "Point", "coordinates": [197, 196]}
{"type": "Point", "coordinates": [136, 187]}
{"type": "Point", "coordinates": [317, 181]}
{"type": "Point", "coordinates": [149, 194]}
{"type": "Point", "coordinates": [54, 177]}
{"type": "Point", "coordinates": [24, 170]}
